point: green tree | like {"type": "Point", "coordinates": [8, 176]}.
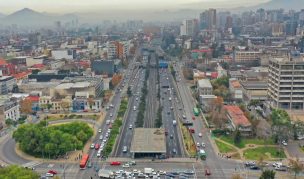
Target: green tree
{"type": "Point", "coordinates": [237, 137]}
{"type": "Point", "coordinates": [10, 122]}
{"type": "Point", "coordinates": [296, 166]}
{"type": "Point", "coordinates": [268, 174]}
{"type": "Point", "coordinates": [13, 171]}
{"type": "Point", "coordinates": [280, 124]}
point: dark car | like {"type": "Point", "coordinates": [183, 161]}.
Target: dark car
{"type": "Point", "coordinates": [254, 167]}
{"type": "Point", "coordinates": [207, 172]}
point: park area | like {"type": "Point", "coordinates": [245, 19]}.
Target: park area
{"type": "Point", "coordinates": [248, 148]}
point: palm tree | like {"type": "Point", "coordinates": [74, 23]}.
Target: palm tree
{"type": "Point", "coordinates": [296, 166]}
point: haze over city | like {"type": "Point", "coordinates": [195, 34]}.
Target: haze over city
{"type": "Point", "coordinates": [160, 89]}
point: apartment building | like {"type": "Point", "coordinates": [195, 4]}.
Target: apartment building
{"type": "Point", "coordinates": [286, 83]}
{"type": "Point", "coordinates": [9, 108]}
{"type": "Point", "coordinates": [7, 83]}
{"type": "Point", "coordinates": [245, 56]}
{"type": "Point", "coordinates": [204, 87]}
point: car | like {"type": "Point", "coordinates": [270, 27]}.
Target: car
{"type": "Point", "coordinates": [203, 145]}
{"type": "Point", "coordinates": [193, 118]}
{"type": "Point", "coordinates": [97, 146]}
{"type": "Point", "coordinates": [89, 164]}
{"type": "Point", "coordinates": [200, 134]}
{"type": "Point", "coordinates": [132, 162]}
{"type": "Point", "coordinates": [110, 126]}
{"type": "Point", "coordinates": [100, 137]}
{"type": "Point", "coordinates": [54, 172]}
{"type": "Point", "coordinates": [166, 132]}
{"type": "Point", "coordinates": [207, 172]}
{"type": "Point", "coordinates": [174, 151]}
{"type": "Point", "coordinates": [130, 126]}
{"type": "Point", "coordinates": [49, 175]}
{"type": "Point", "coordinates": [115, 163]}
{"type": "Point", "coordinates": [92, 146]}
{"type": "Point", "coordinates": [107, 108]}
{"type": "Point", "coordinates": [184, 116]}
{"type": "Point", "coordinates": [254, 167]}
{"type": "Point", "coordinates": [111, 115]}
{"type": "Point", "coordinates": [85, 110]}
{"type": "Point", "coordinates": [126, 165]}
{"type": "Point", "coordinates": [170, 99]}
{"type": "Point", "coordinates": [277, 164]}
{"type": "Point", "coordinates": [109, 130]}
{"type": "Point", "coordinates": [171, 108]}
{"type": "Point", "coordinates": [136, 98]}
{"type": "Point", "coordinates": [98, 154]}
{"type": "Point", "coordinates": [99, 131]}
{"type": "Point", "coordinates": [125, 149]}
{"type": "Point", "coordinates": [192, 130]}
{"type": "Point", "coordinates": [108, 122]}
{"type": "Point", "coordinates": [281, 168]}
{"type": "Point", "coordinates": [284, 143]}
{"type": "Point", "coordinates": [111, 105]}
{"type": "Point", "coordinates": [171, 136]}
{"type": "Point", "coordinates": [168, 112]}
{"type": "Point", "coordinates": [104, 140]}
{"type": "Point", "coordinates": [134, 108]}
{"type": "Point", "coordinates": [198, 144]}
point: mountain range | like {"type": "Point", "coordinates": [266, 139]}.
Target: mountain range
{"type": "Point", "coordinates": [285, 4]}
{"type": "Point", "coordinates": [31, 18]}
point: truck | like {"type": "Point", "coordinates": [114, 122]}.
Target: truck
{"type": "Point", "coordinates": [148, 170]}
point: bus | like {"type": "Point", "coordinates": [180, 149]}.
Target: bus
{"type": "Point", "coordinates": [84, 161]}
{"type": "Point", "coordinates": [196, 111]}
{"type": "Point", "coordinates": [202, 154]}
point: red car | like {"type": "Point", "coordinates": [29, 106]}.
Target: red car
{"type": "Point", "coordinates": [115, 163]}
{"type": "Point", "coordinates": [166, 132]}
{"type": "Point", "coordinates": [52, 172]}
{"type": "Point", "coordinates": [207, 172]}
{"type": "Point", "coordinates": [97, 146]}
{"type": "Point", "coordinates": [110, 126]}
{"type": "Point", "coordinates": [193, 118]}
{"type": "Point", "coordinates": [192, 130]}
{"type": "Point", "coordinates": [85, 110]}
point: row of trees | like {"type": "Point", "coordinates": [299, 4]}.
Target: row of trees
{"type": "Point", "coordinates": [142, 105]}
{"type": "Point", "coordinates": [159, 119]}
{"type": "Point", "coordinates": [41, 140]}
{"type": "Point", "coordinates": [221, 87]}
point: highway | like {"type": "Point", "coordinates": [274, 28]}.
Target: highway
{"type": "Point", "coordinates": [173, 138]}
{"type": "Point", "coordinates": [126, 134]}
{"type": "Point", "coordinates": [213, 161]}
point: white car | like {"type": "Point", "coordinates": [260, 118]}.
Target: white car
{"type": "Point", "coordinates": [49, 175]}
{"type": "Point", "coordinates": [136, 99]}
{"type": "Point", "coordinates": [104, 140]}
{"type": "Point", "coordinates": [92, 146]}
{"type": "Point", "coordinates": [99, 130]}
{"type": "Point", "coordinates": [100, 137]}
{"type": "Point", "coordinates": [126, 165]}
{"type": "Point", "coordinates": [200, 134]}
{"type": "Point", "coordinates": [98, 154]}
{"type": "Point", "coordinates": [198, 144]}
{"type": "Point", "coordinates": [111, 115]}
{"type": "Point", "coordinates": [284, 143]}
{"type": "Point", "coordinates": [130, 126]}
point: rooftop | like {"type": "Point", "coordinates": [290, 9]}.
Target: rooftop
{"type": "Point", "coordinates": [204, 83]}
{"type": "Point", "coordinates": [83, 84]}
{"type": "Point", "coordinates": [148, 140]}
{"type": "Point", "coordinates": [255, 85]}
{"type": "Point", "coordinates": [237, 116]}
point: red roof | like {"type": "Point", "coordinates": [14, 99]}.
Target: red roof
{"type": "Point", "coordinates": [33, 98]}
{"type": "Point", "coordinates": [214, 74]}
{"type": "Point", "coordinates": [237, 116]}
{"type": "Point", "coordinates": [2, 61]}
{"type": "Point", "coordinates": [201, 50]}
{"type": "Point", "coordinates": [21, 75]}
{"type": "Point", "coordinates": [38, 66]}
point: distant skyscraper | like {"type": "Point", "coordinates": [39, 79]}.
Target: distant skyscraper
{"type": "Point", "coordinates": [189, 27]}
{"type": "Point", "coordinates": [228, 23]}
{"type": "Point", "coordinates": [208, 19]}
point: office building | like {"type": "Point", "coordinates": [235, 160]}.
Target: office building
{"type": "Point", "coordinates": [208, 20]}
{"type": "Point", "coordinates": [189, 27]}
{"type": "Point", "coordinates": [286, 83]}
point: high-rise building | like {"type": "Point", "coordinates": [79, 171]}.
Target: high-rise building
{"type": "Point", "coordinates": [208, 19]}
{"type": "Point", "coordinates": [228, 23]}
{"type": "Point", "coordinates": [286, 83]}
{"type": "Point", "coordinates": [277, 29]}
{"type": "Point", "coordinates": [189, 27]}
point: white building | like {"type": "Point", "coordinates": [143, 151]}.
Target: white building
{"type": "Point", "coordinates": [62, 54]}
{"type": "Point", "coordinates": [9, 108]}
{"type": "Point", "coordinates": [236, 89]}
{"type": "Point", "coordinates": [111, 50]}
{"type": "Point", "coordinates": [204, 87]}
{"type": "Point", "coordinates": [189, 27]}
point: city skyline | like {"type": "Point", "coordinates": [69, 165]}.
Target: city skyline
{"type": "Point", "coordinates": [83, 6]}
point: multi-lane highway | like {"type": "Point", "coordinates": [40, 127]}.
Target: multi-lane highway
{"type": "Point", "coordinates": [126, 134]}
{"type": "Point", "coordinates": [174, 144]}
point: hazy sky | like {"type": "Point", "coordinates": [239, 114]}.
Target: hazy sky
{"type": "Point", "coordinates": [64, 6]}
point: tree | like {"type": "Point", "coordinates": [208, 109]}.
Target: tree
{"type": "Point", "coordinates": [14, 171]}
{"type": "Point", "coordinates": [9, 122]}
{"type": "Point", "coordinates": [188, 73]}
{"type": "Point", "coordinates": [280, 124]}
{"type": "Point", "coordinates": [129, 91]}
{"type": "Point", "coordinates": [26, 106]}
{"type": "Point", "coordinates": [217, 112]}
{"type": "Point", "coordinates": [268, 174]}
{"type": "Point", "coordinates": [296, 166]}
{"type": "Point", "coordinates": [237, 137]}
{"type": "Point", "coordinates": [116, 79]}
